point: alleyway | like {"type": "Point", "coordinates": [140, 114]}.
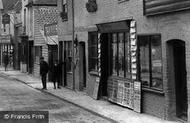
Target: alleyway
{"type": "Point", "coordinates": [20, 97]}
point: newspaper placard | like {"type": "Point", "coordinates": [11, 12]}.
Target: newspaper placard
{"type": "Point", "coordinates": [137, 96]}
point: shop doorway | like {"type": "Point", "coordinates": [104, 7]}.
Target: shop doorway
{"type": "Point", "coordinates": [52, 56]}
{"type": "Point", "coordinates": [177, 53]}
{"type": "Point", "coordinates": [82, 68]}
{"type": "Point", "coordinates": [104, 39]}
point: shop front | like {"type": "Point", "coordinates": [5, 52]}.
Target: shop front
{"type": "Point", "coordinates": [6, 49]}
{"type": "Point", "coordinates": [116, 66]}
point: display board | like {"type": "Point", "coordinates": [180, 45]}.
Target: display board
{"type": "Point", "coordinates": [137, 96]}
{"type": "Point", "coordinates": [123, 91]}
{"type": "Point", "coordinates": [96, 88]}
{"type": "Point", "coordinates": [120, 92]}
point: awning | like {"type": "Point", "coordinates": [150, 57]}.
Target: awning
{"type": "Point", "coordinates": [52, 40]}
{"type": "Point", "coordinates": [113, 26]}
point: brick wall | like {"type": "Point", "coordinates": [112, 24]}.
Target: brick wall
{"type": "Point", "coordinates": [170, 26]}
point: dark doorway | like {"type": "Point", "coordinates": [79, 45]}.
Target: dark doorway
{"type": "Point", "coordinates": [104, 39]}
{"type": "Point", "coordinates": [61, 61]}
{"type": "Point", "coordinates": [179, 63]}
{"type": "Point", "coordinates": [52, 56]}
{"type": "Point", "coordinates": [82, 64]}
{"type": "Point", "coordinates": [67, 63]}
{"type": "Point", "coordinates": [31, 57]}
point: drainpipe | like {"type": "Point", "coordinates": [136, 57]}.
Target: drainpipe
{"type": "Point", "coordinates": [73, 37]}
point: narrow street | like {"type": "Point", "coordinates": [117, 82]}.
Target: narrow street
{"type": "Point", "coordinates": [16, 96]}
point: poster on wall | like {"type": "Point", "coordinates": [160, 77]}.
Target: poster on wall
{"type": "Point", "coordinates": [96, 88]}
{"type": "Point", "coordinates": [137, 96]}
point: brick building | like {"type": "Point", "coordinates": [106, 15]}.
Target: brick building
{"type": "Point", "coordinates": [7, 31]}
{"type": "Point", "coordinates": [108, 45]}
{"type": "Point", "coordinates": [36, 14]}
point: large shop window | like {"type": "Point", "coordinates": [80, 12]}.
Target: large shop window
{"type": "Point", "coordinates": [120, 55]}
{"type": "Point", "coordinates": [68, 56]}
{"type": "Point", "coordinates": [150, 59]}
{"type": "Point", "coordinates": [93, 52]}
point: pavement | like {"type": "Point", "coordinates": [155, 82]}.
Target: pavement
{"type": "Point", "coordinates": [17, 98]}
{"type": "Point", "coordinates": [81, 99]}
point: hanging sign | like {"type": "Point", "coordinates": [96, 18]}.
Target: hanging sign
{"type": "Point", "coordinates": [5, 39]}
{"type": "Point", "coordinates": [97, 83]}
{"type": "Point", "coordinates": [50, 29]}
{"type": "Point", "coordinates": [6, 19]}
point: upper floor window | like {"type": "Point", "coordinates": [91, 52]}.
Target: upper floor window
{"type": "Point", "coordinates": [64, 13]}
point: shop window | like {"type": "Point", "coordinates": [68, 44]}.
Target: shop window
{"type": "Point", "coordinates": [93, 51]}
{"type": "Point", "coordinates": [68, 57]}
{"type": "Point", "coordinates": [150, 61]}
{"type": "Point", "coordinates": [120, 58]}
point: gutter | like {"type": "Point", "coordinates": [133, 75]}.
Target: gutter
{"type": "Point", "coordinates": [73, 38]}
{"type": "Point", "coordinates": [30, 4]}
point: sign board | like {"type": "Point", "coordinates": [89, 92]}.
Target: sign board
{"type": "Point", "coordinates": [137, 96]}
{"type": "Point", "coordinates": [6, 19]}
{"type": "Point", "coordinates": [5, 39]}
{"type": "Point", "coordinates": [50, 29]}
{"type": "Point", "coordinates": [121, 92]}
{"type": "Point", "coordinates": [96, 88]}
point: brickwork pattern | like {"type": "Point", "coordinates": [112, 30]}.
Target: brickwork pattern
{"type": "Point", "coordinates": [170, 26]}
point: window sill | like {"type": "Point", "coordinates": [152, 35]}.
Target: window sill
{"type": "Point", "coordinates": [69, 72]}
{"type": "Point", "coordinates": [93, 73]}
{"type": "Point", "coordinates": [160, 92]}
{"type": "Point", "coordinates": [122, 1]}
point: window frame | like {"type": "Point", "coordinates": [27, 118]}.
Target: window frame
{"type": "Point", "coordinates": [68, 56]}
{"type": "Point", "coordinates": [149, 87]}
{"type": "Point", "coordinates": [127, 74]}
{"type": "Point", "coordinates": [90, 45]}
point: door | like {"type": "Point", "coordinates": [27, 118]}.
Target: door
{"type": "Point", "coordinates": [82, 66]}
{"type": "Point", "coordinates": [180, 78]}
{"type": "Point", "coordinates": [31, 60]}
{"type": "Point", "coordinates": [52, 56]}
{"type": "Point", "coordinates": [67, 63]}
{"type": "Point", "coordinates": [104, 63]}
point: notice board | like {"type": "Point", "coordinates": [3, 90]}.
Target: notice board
{"type": "Point", "coordinates": [137, 96]}
{"type": "Point", "coordinates": [96, 88]}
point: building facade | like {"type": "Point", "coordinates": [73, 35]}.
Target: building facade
{"type": "Point", "coordinates": [7, 32]}
{"type": "Point", "coordinates": [65, 38]}
{"type": "Point", "coordinates": [116, 43]}
{"type": "Point", "coordinates": [36, 14]}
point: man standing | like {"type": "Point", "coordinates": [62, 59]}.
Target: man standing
{"type": "Point", "coordinates": [6, 60]}
{"type": "Point", "coordinates": [43, 71]}
{"type": "Point", "coordinates": [56, 74]}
